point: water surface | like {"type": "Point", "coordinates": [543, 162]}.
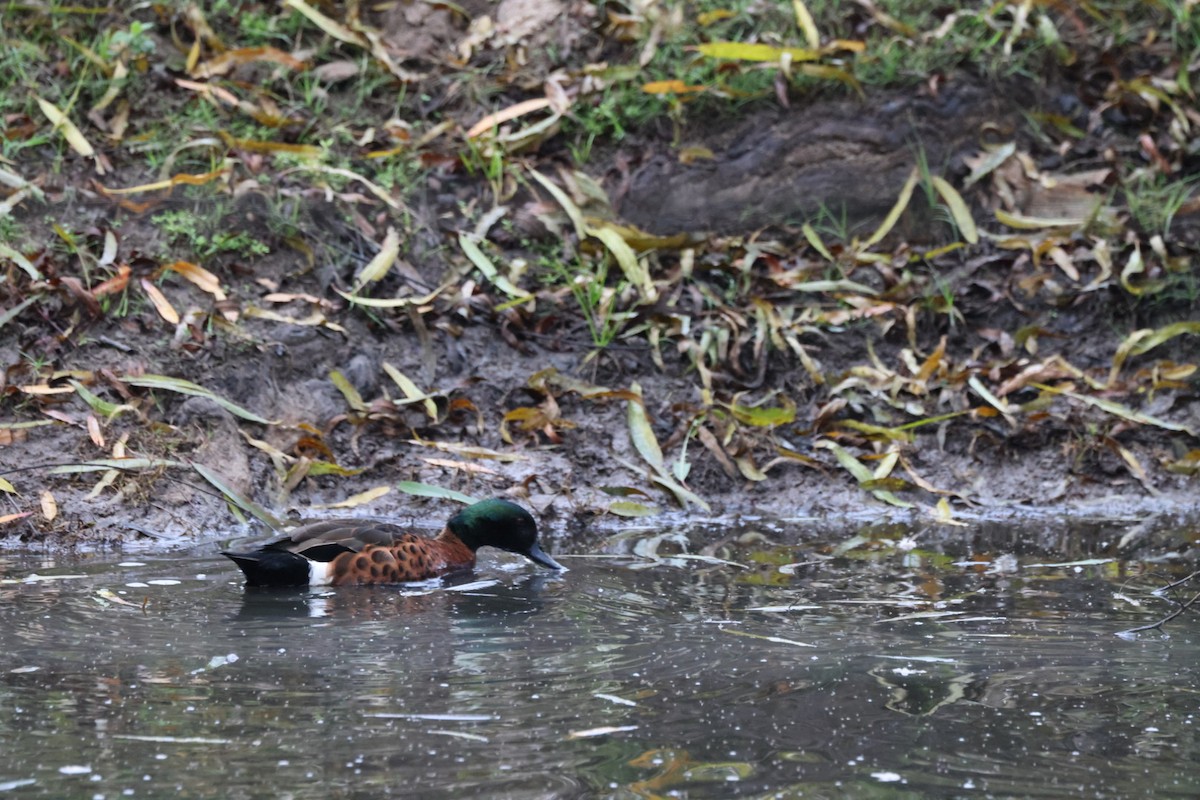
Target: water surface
{"type": "Point", "coordinates": [878, 662]}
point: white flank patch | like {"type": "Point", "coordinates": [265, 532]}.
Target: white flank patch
{"type": "Point", "coordinates": [318, 573]}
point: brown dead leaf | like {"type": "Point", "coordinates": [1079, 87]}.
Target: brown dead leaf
{"type": "Point", "coordinates": [39, 389]}
{"type": "Point", "coordinates": [161, 304]}
{"type": "Point", "coordinates": [336, 71]}
{"type": "Point", "coordinates": [198, 275]}
{"type": "Point", "coordinates": [94, 432]}
{"type": "Point", "coordinates": [224, 63]}
{"type": "Point", "coordinates": [494, 120]}
{"type": "Point", "coordinates": [461, 466]}
{"type": "Point", "coordinates": [713, 446]}
{"type": "Point", "coordinates": [174, 180]}
{"type": "Point", "coordinates": [115, 284]}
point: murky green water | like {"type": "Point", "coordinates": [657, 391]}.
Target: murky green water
{"type": "Point", "coordinates": [877, 663]}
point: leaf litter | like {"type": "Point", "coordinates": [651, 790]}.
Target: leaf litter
{"type": "Point", "coordinates": [833, 353]}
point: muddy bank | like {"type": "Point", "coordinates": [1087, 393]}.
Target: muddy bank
{"type": "Point", "coordinates": [993, 476]}
{"type": "Point", "coordinates": [838, 368]}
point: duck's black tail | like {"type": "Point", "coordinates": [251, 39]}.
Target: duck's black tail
{"type": "Point", "coordinates": [271, 567]}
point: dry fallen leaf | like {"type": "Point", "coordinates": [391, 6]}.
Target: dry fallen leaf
{"type": "Point", "coordinates": [72, 134]}
{"type": "Point", "coordinates": [94, 432]}
{"type": "Point", "coordinates": [161, 304]}
{"type": "Point", "coordinates": [49, 506]}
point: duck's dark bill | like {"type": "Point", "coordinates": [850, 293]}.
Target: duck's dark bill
{"type": "Point", "coordinates": [538, 556]}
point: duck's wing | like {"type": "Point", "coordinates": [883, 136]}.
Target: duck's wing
{"type": "Point", "coordinates": [326, 539]}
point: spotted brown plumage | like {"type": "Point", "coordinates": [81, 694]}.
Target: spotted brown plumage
{"type": "Point", "coordinates": [341, 552]}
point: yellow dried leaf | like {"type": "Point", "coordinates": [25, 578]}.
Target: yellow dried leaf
{"type": "Point", "coordinates": [814, 239]}
{"type": "Point", "coordinates": [1134, 266]}
{"type": "Point", "coordinates": [117, 82]}
{"type": "Point", "coordinates": [1177, 372]}
{"type": "Point", "coordinates": [378, 266]}
{"type": "Point", "coordinates": [360, 499]}
{"type": "Point", "coordinates": [845, 45]}
{"type": "Point", "coordinates": [740, 51]}
{"type": "Point", "coordinates": [1189, 464]}
{"type": "Point", "coordinates": [671, 87]}
{"type": "Point", "coordinates": [893, 216]}
{"type": "Point", "coordinates": [706, 18]}
{"type": "Point", "coordinates": [193, 56]}
{"type": "Point", "coordinates": [1119, 410]}
{"type": "Point", "coordinates": [310, 151]}
{"type": "Point", "coordinates": [958, 209]}
{"type": "Point", "coordinates": [354, 176]}
{"type": "Point", "coordinates": [331, 26]}
{"type": "Point", "coordinates": [877, 431]}
{"type": "Point", "coordinates": [161, 304]}
{"type": "Point", "coordinates": [628, 508]}
{"type": "Point", "coordinates": [411, 391]}
{"type": "Point", "coordinates": [804, 21]}
{"type": "Point", "coordinates": [72, 134]}
{"type": "Point", "coordinates": [1134, 465]}
{"type": "Point", "coordinates": [353, 398]}
{"type": "Point", "coordinates": [635, 272]}
{"type": "Point", "coordinates": [984, 165]}
{"type": "Point", "coordinates": [39, 389]}
{"type": "Point", "coordinates": [828, 72]}
{"type": "Point", "coordinates": [497, 118]}
{"type": "Point", "coordinates": [198, 275]}
{"type": "Point", "coordinates": [860, 473]}
{"type": "Point", "coordinates": [477, 257]}
{"type": "Point", "coordinates": [885, 466]}
{"type": "Point", "coordinates": [314, 319]}
{"type": "Point", "coordinates": [1063, 261]}
{"type": "Point", "coordinates": [392, 302]}
{"type": "Point", "coordinates": [749, 470]}
{"type": "Point", "coordinates": [943, 514]}
{"type": "Point", "coordinates": [174, 180]}
{"type": "Point", "coordinates": [932, 363]}
{"type": "Point", "coordinates": [640, 432]}
{"type": "Point", "coordinates": [987, 396]}
{"type": "Point", "coordinates": [572, 210]}
{"type": "Point", "coordinates": [1021, 222]}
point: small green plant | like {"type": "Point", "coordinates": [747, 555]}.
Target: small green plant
{"type": "Point", "coordinates": [944, 303]}
{"type": "Point", "coordinates": [259, 28]}
{"type": "Point", "coordinates": [490, 161]}
{"type": "Point", "coordinates": [185, 227]}
{"type": "Point", "coordinates": [596, 300]}
{"type": "Point", "coordinates": [833, 224]}
{"type": "Point", "coordinates": [1154, 200]}
{"type": "Point", "coordinates": [135, 40]}
{"type": "Point", "coordinates": [12, 233]}
{"type": "Point", "coordinates": [397, 172]}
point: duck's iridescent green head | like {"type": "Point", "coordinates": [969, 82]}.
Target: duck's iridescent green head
{"type": "Point", "coordinates": [500, 524]}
